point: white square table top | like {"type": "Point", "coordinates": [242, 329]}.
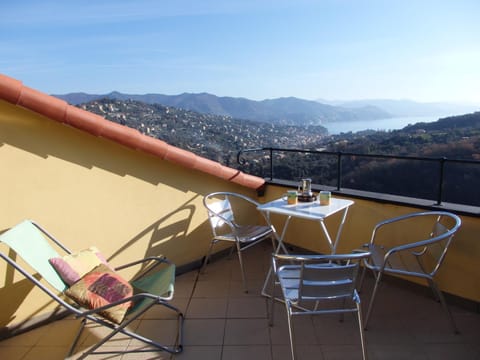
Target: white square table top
{"type": "Point", "coordinates": [306, 210]}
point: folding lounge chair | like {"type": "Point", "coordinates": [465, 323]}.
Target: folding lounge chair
{"type": "Point", "coordinates": [153, 286]}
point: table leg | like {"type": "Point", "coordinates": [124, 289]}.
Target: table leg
{"type": "Point", "coordinates": [333, 245]}
{"type": "Point", "coordinates": [280, 246]}
{"type": "Point", "coordinates": [339, 231]}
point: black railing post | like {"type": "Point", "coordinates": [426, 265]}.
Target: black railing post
{"type": "Point", "coordinates": [271, 164]}
{"type": "Point", "coordinates": [440, 181]}
{"type": "Point", "coordinates": [339, 170]}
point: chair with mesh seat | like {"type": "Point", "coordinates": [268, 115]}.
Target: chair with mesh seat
{"type": "Point", "coordinates": [116, 303]}
{"type": "Point", "coordinates": [223, 212]}
{"type": "Point", "coordinates": [411, 245]}
{"type": "Point", "coordinates": [316, 285]}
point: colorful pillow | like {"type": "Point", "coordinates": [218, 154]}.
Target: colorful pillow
{"type": "Point", "coordinates": [72, 267]}
{"type": "Point", "coordinates": [100, 287]}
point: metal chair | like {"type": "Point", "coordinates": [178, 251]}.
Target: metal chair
{"type": "Point", "coordinates": [223, 212]}
{"type": "Point", "coordinates": [318, 284]}
{"type": "Point", "coordinates": [153, 286]}
{"type": "Point", "coordinates": [425, 240]}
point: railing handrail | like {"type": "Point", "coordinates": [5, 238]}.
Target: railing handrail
{"type": "Point", "coordinates": [441, 160]}
{"type": "Point", "coordinates": [385, 156]}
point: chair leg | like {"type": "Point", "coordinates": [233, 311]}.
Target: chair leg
{"type": "Point", "coordinates": [205, 262]}
{"type": "Point", "coordinates": [361, 327]}
{"type": "Point", "coordinates": [272, 309]}
{"type": "Point", "coordinates": [273, 243]}
{"type": "Point", "coordinates": [272, 293]}
{"type": "Point", "coordinates": [342, 314]}
{"type": "Point", "coordinates": [242, 268]}
{"type": "Point", "coordinates": [231, 252]}
{"type": "Point", "coordinates": [362, 277]}
{"type": "Point", "coordinates": [83, 322]}
{"type": "Point", "coordinates": [290, 330]}
{"type": "Point", "coordinates": [122, 328]}
{"type": "Point", "coordinates": [445, 307]}
{"type": "Point", "coordinates": [115, 331]}
{"type": "Point", "coordinates": [378, 277]}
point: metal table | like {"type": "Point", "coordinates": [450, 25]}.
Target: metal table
{"type": "Point", "coordinates": [309, 211]}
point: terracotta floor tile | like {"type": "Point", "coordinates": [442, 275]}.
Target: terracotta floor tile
{"type": "Point", "coordinates": [200, 332]}
{"type": "Point", "coordinates": [200, 353]}
{"type": "Point", "coordinates": [253, 307]}
{"type": "Point", "coordinates": [207, 308]}
{"type": "Point", "coordinates": [250, 352]}
{"type": "Point", "coordinates": [246, 332]}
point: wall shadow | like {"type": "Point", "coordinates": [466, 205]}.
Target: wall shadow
{"type": "Point", "coordinates": [44, 138]}
{"type": "Point", "coordinates": [168, 234]}
{"type": "Point", "coordinates": [16, 292]}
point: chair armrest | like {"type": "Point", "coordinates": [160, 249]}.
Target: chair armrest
{"type": "Point", "coordinates": [246, 198]}
{"type": "Point", "coordinates": [402, 218]}
{"type": "Point", "coordinates": [254, 203]}
{"type": "Point", "coordinates": [148, 269]}
{"type": "Point", "coordinates": [406, 217]}
{"type": "Point", "coordinates": [317, 257]}
{"type": "Point", "coordinates": [414, 245]}
{"type": "Point", "coordinates": [420, 243]}
{"type": "Point", "coordinates": [159, 259]}
{"type": "Point", "coordinates": [233, 195]}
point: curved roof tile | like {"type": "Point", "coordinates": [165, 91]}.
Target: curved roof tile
{"type": "Point", "coordinates": [13, 91]}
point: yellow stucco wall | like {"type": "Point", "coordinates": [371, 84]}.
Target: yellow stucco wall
{"type": "Point", "coordinates": [91, 191]}
{"type": "Point", "coordinates": [459, 274]}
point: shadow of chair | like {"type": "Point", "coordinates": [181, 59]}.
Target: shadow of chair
{"type": "Point", "coordinates": [223, 213]}
{"type": "Point", "coordinates": [170, 231]}
{"type": "Point", "coordinates": [425, 240]}
{"type": "Point", "coordinates": [316, 285]}
{"type": "Point", "coordinates": [153, 286]}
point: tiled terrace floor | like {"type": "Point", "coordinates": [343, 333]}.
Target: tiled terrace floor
{"type": "Point", "coordinates": [222, 322]}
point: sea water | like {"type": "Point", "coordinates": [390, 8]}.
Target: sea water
{"type": "Point", "coordinates": [394, 123]}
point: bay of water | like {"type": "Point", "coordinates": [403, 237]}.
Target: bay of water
{"type": "Point", "coordinates": [395, 123]}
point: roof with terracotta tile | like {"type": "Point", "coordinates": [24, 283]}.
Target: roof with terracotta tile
{"type": "Point", "coordinates": [13, 91]}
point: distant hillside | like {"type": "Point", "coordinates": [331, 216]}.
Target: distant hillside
{"type": "Point", "coordinates": [455, 137]}
{"type": "Point", "coordinates": [212, 136]}
{"type": "Point", "coordinates": [286, 111]}
{"type": "Point", "coordinates": [467, 121]}
{"type": "Point", "coordinates": [403, 108]}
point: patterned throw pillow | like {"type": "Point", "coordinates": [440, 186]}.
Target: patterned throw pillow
{"type": "Point", "coordinates": [100, 287]}
{"type": "Point", "coordinates": [72, 267]}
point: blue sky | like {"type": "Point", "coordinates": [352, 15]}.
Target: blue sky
{"type": "Point", "coordinates": [258, 49]}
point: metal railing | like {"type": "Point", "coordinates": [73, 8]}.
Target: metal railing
{"type": "Point", "coordinates": [429, 180]}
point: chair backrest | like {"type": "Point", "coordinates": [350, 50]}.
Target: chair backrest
{"type": "Point", "coordinates": [327, 281]}
{"type": "Point", "coordinates": [320, 277]}
{"type": "Point", "coordinates": [431, 245]}
{"type": "Point", "coordinates": [220, 212]}
{"type": "Point", "coordinates": [30, 244]}
{"type": "Point", "coordinates": [441, 237]}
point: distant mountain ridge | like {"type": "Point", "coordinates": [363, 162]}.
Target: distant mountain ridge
{"type": "Point", "coordinates": [406, 108]}
{"type": "Point", "coordinates": [285, 111]}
